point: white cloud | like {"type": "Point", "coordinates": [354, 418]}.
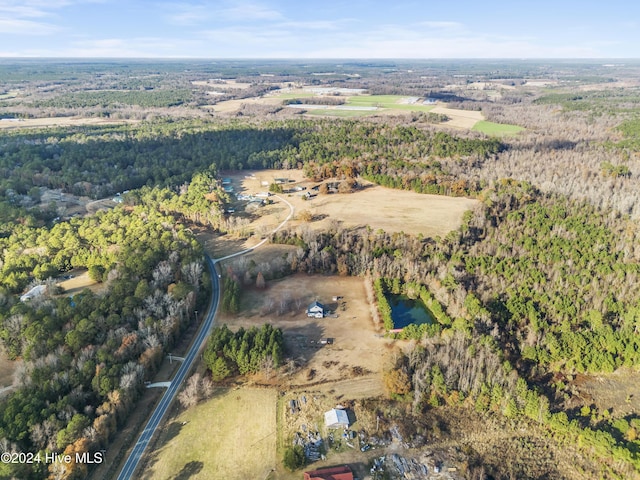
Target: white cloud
{"type": "Point", "coordinates": [16, 26]}
{"type": "Point", "coordinates": [249, 12]}
{"type": "Point", "coordinates": [441, 25]}
{"type": "Point", "coordinates": [138, 47]}
{"type": "Point", "coordinates": [186, 14]}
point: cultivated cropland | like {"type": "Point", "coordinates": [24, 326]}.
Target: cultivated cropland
{"type": "Point", "coordinates": [419, 269]}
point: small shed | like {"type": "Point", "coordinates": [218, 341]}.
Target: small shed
{"type": "Point", "coordinates": [316, 309]}
{"type": "Point", "coordinates": [336, 418]}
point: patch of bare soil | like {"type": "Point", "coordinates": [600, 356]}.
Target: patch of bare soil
{"type": "Point", "coordinates": [459, 118]}
{"type": "Point", "coordinates": [617, 392]}
{"type": "Point", "coordinates": [354, 358]}
{"type": "Point", "coordinates": [58, 122]}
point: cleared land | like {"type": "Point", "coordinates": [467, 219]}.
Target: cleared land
{"type": "Point", "coordinates": [498, 129]}
{"type": "Point", "coordinates": [395, 210]}
{"type": "Point", "coordinates": [356, 356]}
{"type": "Point", "coordinates": [379, 207]}
{"type": "Point", "coordinates": [231, 436]}
{"type": "Point", "coordinates": [234, 105]}
{"type": "Point", "coordinates": [459, 118]}
{"type": "Point", "coordinates": [79, 282]}
{"type": "Point", "coordinates": [58, 122]}
{"type": "Point", "coordinates": [616, 392]}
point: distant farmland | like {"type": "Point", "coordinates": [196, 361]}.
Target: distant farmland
{"type": "Point", "coordinates": [498, 129]}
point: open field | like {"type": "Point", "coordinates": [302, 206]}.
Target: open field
{"type": "Point", "coordinates": [234, 105]}
{"type": "Point", "coordinates": [356, 356]}
{"type": "Point", "coordinates": [221, 84]}
{"type": "Point", "coordinates": [379, 207]}
{"type": "Point", "coordinates": [333, 112]}
{"type": "Point", "coordinates": [79, 282]}
{"type": "Point", "coordinates": [616, 392]}
{"type": "Point", "coordinates": [395, 102]}
{"type": "Point", "coordinates": [498, 129]}
{"type": "Point", "coordinates": [7, 124]}
{"type": "Point", "coordinates": [231, 436]}
{"type": "Point", "coordinates": [394, 210]}
{"type": "Point", "coordinates": [459, 118]}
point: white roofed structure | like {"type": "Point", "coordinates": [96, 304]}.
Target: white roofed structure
{"type": "Point", "coordinates": [336, 418]}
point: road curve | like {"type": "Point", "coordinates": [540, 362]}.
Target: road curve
{"type": "Point", "coordinates": [135, 456]}
{"type": "Point", "coordinates": [265, 240]}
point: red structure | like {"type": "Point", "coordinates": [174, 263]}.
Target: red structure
{"type": "Point", "coordinates": [333, 473]}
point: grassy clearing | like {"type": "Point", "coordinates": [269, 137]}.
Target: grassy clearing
{"type": "Point", "coordinates": [387, 101]}
{"type": "Point", "coordinates": [342, 113]}
{"type": "Point", "coordinates": [498, 129]}
{"type": "Point", "coordinates": [231, 436]}
{"type": "Point", "coordinates": [295, 94]}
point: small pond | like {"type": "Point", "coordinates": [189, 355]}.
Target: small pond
{"type": "Point", "coordinates": [405, 311]}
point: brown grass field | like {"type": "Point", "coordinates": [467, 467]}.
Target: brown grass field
{"type": "Point", "coordinates": [232, 436]}
{"type": "Point", "coordinates": [79, 282]}
{"type": "Point", "coordinates": [379, 207]}
{"type": "Point", "coordinates": [356, 357]}
{"type": "Point", "coordinates": [459, 118]}
{"type": "Point", "coordinates": [58, 122]}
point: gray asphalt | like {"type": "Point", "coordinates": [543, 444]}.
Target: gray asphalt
{"type": "Point", "coordinates": [138, 450]}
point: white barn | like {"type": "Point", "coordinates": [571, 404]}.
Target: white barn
{"type": "Point", "coordinates": [316, 309]}
{"type": "Point", "coordinates": [336, 418]}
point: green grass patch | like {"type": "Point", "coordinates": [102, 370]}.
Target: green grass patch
{"type": "Point", "coordinates": [387, 101]}
{"type": "Point", "coordinates": [498, 129]}
{"type": "Point", "coordinates": [218, 441]}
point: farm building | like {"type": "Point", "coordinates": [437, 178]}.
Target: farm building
{"type": "Point", "coordinates": [34, 292]}
{"type": "Point", "coordinates": [336, 418]}
{"type": "Point", "coordinates": [316, 309]}
{"type": "Point", "coordinates": [332, 473]}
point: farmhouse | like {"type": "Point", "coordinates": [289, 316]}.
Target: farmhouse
{"type": "Point", "coordinates": [316, 309]}
{"type": "Point", "coordinates": [336, 418]}
{"type": "Point", "coordinates": [332, 473]}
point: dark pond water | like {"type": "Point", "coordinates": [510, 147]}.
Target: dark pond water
{"type": "Point", "coordinates": [405, 311]}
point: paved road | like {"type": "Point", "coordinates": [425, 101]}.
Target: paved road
{"type": "Point", "coordinates": [136, 454]}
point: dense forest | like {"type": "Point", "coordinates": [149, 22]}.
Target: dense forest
{"type": "Point", "coordinates": [84, 358]}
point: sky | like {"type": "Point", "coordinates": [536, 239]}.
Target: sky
{"type": "Point", "coordinates": [420, 29]}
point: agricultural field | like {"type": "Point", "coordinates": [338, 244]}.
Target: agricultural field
{"type": "Point", "coordinates": [9, 124]}
{"type": "Point", "coordinates": [354, 359]}
{"type": "Point", "coordinates": [466, 119]}
{"type": "Point", "coordinates": [343, 113]}
{"type": "Point", "coordinates": [497, 129]}
{"type": "Point", "coordinates": [190, 446]}
{"type": "Point", "coordinates": [395, 210]}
